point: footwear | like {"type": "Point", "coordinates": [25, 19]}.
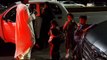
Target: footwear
{"type": "Point", "coordinates": [50, 58]}
{"type": "Point", "coordinates": [67, 56]}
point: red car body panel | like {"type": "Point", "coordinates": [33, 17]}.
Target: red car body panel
{"type": "Point", "coordinates": [8, 31]}
{"type": "Point", "coordinates": [17, 32]}
{"type": "Point", "coordinates": [1, 30]}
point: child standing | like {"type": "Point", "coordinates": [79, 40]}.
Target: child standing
{"type": "Point", "coordinates": [54, 41]}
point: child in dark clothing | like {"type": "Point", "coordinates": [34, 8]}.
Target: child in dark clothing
{"type": "Point", "coordinates": [54, 41]}
{"type": "Point", "coordinates": [78, 36]}
{"type": "Point", "coordinates": [69, 28]}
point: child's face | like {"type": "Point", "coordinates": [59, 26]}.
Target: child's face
{"type": "Point", "coordinates": [53, 25]}
{"type": "Point", "coordinates": [82, 21]}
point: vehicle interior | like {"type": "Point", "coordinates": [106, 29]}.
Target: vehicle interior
{"type": "Point", "coordinates": [11, 15]}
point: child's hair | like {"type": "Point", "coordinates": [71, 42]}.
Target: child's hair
{"type": "Point", "coordinates": [83, 17]}
{"type": "Point", "coordinates": [69, 14]}
{"type": "Point", "coordinates": [54, 22]}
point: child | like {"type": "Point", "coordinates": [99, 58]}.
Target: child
{"type": "Point", "coordinates": [54, 41]}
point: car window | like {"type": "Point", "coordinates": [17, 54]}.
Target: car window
{"type": "Point", "coordinates": [55, 9]}
{"type": "Point", "coordinates": [11, 15]}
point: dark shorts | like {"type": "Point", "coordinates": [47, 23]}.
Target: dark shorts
{"type": "Point", "coordinates": [70, 43]}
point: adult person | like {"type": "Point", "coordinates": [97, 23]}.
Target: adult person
{"type": "Point", "coordinates": [24, 34]}
{"type": "Point", "coordinates": [36, 20]}
{"type": "Point", "coordinates": [54, 41]}
{"type": "Point", "coordinates": [47, 16]}
{"type": "Point", "coordinates": [69, 28]}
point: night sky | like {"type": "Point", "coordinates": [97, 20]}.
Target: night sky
{"type": "Point", "coordinates": [8, 2]}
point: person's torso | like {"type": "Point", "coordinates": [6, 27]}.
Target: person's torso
{"type": "Point", "coordinates": [71, 27]}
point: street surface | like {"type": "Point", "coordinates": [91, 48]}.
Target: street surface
{"type": "Point", "coordinates": [36, 54]}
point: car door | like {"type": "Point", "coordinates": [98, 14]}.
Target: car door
{"type": "Point", "coordinates": [8, 24]}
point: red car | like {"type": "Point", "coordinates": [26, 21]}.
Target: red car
{"type": "Point", "coordinates": [7, 24]}
{"type": "Point", "coordinates": [14, 27]}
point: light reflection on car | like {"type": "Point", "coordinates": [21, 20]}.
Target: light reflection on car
{"type": "Point", "coordinates": [71, 4]}
{"type": "Point", "coordinates": [95, 43]}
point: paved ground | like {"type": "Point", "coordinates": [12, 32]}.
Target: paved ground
{"type": "Point", "coordinates": [36, 54]}
{"type": "Point", "coordinates": [44, 54]}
